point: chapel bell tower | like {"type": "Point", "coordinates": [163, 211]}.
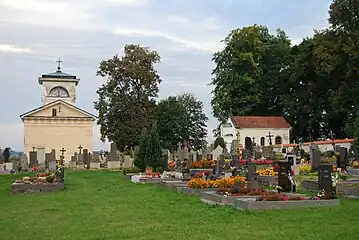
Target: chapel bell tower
{"type": "Point", "coordinates": [59, 86]}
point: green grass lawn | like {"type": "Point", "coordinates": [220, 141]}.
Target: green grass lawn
{"type": "Point", "coordinates": [102, 205]}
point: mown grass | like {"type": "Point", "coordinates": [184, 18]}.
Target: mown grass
{"type": "Point", "coordinates": [102, 205]}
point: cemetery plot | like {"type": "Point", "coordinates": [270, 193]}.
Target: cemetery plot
{"type": "Point", "coordinates": [43, 182]}
{"type": "Point", "coordinates": [285, 204]}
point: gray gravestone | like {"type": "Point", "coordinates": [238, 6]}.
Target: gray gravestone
{"type": "Point", "coordinates": [219, 165]}
{"type": "Point", "coordinates": [266, 152]}
{"type": "Point", "coordinates": [343, 158]}
{"type": "Point", "coordinates": [315, 158]}
{"type": "Point", "coordinates": [33, 159]}
{"type": "Point", "coordinates": [113, 153]}
{"type": "Point", "coordinates": [95, 157]}
{"type": "Point", "coordinates": [24, 162]}
{"type": "Point", "coordinates": [86, 158]}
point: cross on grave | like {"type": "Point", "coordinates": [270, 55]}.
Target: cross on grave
{"type": "Point", "coordinates": [270, 138]}
{"type": "Point", "coordinates": [253, 140]}
{"type": "Point", "coordinates": [59, 64]}
{"type": "Point", "coordinates": [33, 148]}
{"type": "Point", "coordinates": [62, 151]}
{"type": "Point", "coordinates": [80, 148]}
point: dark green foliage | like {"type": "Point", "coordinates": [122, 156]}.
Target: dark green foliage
{"type": "Point", "coordinates": [131, 170]}
{"type": "Point", "coordinates": [153, 148]}
{"type": "Point", "coordinates": [139, 160]}
{"type": "Point", "coordinates": [219, 141]}
{"type": "Point", "coordinates": [314, 85]}
{"type": "Point", "coordinates": [181, 118]}
{"type": "Point", "coordinates": [126, 102]}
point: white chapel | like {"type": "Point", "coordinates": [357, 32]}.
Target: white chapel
{"type": "Point", "coordinates": [264, 130]}
{"type": "Point", "coordinates": [58, 123]}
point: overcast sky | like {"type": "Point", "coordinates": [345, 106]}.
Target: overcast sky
{"type": "Point", "coordinates": [34, 33]}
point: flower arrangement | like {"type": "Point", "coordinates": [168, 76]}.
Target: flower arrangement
{"type": "Point", "coordinates": [203, 164]}
{"type": "Point", "coordinates": [153, 175]}
{"type": "Point", "coordinates": [266, 172]}
{"type": "Point", "coordinates": [219, 183]}
{"type": "Point", "coordinates": [305, 169]}
{"type": "Point", "coordinates": [171, 165]}
{"type": "Point", "coordinates": [240, 191]}
{"type": "Point", "coordinates": [355, 164]}
{"type": "Point", "coordinates": [40, 178]}
{"type": "Point", "coordinates": [280, 197]}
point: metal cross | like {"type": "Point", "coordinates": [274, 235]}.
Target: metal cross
{"type": "Point", "coordinates": [80, 148]}
{"type": "Point", "coordinates": [253, 140]}
{"type": "Point", "coordinates": [59, 64]}
{"type": "Point", "coordinates": [270, 138]}
{"type": "Point", "coordinates": [33, 148]}
{"type": "Point", "coordinates": [62, 151]}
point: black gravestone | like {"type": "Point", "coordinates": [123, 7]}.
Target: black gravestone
{"type": "Point", "coordinates": [325, 179]}
{"type": "Point", "coordinates": [291, 158]}
{"type": "Point", "coordinates": [315, 158]}
{"type": "Point", "coordinates": [343, 158]}
{"type": "Point", "coordinates": [283, 179]}
{"type": "Point", "coordinates": [251, 171]}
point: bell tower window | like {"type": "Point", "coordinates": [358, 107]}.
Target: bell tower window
{"type": "Point", "coordinates": [59, 92]}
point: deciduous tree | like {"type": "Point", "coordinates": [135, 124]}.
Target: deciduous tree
{"type": "Point", "coordinates": [126, 102]}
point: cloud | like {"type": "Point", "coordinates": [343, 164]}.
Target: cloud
{"type": "Point", "coordinates": [13, 49]}
{"type": "Point", "coordinates": [182, 42]}
{"type": "Point", "coordinates": [34, 33]}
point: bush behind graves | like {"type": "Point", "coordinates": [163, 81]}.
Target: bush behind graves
{"type": "Point", "coordinates": [131, 170]}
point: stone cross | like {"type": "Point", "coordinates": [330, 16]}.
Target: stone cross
{"type": "Point", "coordinates": [80, 148]}
{"type": "Point", "coordinates": [33, 148]}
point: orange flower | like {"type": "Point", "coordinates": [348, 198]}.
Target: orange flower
{"type": "Point", "coordinates": [219, 183]}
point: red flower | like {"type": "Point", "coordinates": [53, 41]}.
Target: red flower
{"type": "Point", "coordinates": [276, 167]}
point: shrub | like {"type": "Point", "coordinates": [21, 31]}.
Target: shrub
{"type": "Point", "coordinates": [50, 179]}
{"type": "Point", "coordinates": [355, 164]}
{"type": "Point", "coordinates": [305, 169]}
{"type": "Point", "coordinates": [131, 170]}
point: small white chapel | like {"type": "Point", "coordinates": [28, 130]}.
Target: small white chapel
{"type": "Point", "coordinates": [58, 123]}
{"type": "Point", "coordinates": [263, 130]}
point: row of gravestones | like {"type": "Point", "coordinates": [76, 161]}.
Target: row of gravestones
{"type": "Point", "coordinates": [315, 155]}
{"type": "Point", "coordinates": [325, 181]}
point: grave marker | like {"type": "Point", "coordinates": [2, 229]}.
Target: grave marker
{"type": "Point", "coordinates": [283, 176]}
{"type": "Point", "coordinates": [33, 159]}
{"type": "Point", "coordinates": [325, 172]}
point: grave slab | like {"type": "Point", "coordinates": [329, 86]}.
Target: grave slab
{"type": "Point", "coordinates": [269, 205]}
{"type": "Point", "coordinates": [39, 187]}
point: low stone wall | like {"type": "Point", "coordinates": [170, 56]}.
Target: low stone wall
{"type": "Point", "coordinates": [213, 198]}
{"type": "Point", "coordinates": [37, 187]}
{"type": "Point", "coordinates": [266, 205]}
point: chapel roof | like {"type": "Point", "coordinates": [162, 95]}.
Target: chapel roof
{"type": "Point", "coordinates": [260, 122]}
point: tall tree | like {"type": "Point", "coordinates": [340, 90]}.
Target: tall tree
{"type": "Point", "coordinates": [126, 102]}
{"type": "Point", "coordinates": [170, 120]}
{"type": "Point", "coordinates": [194, 130]}
{"type": "Point", "coordinates": [181, 118]}
{"type": "Point", "coordinates": [153, 148]}
{"type": "Point", "coordinates": [248, 78]}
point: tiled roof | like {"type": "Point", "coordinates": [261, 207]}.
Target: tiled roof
{"type": "Point", "coordinates": [260, 122]}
